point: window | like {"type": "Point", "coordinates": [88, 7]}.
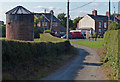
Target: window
{"type": "Point", "coordinates": [99, 31]}
{"type": "Point", "coordinates": [100, 24]}
{"type": "Point", "coordinates": [105, 25]}
{"type": "Point", "coordinates": [44, 23]}
{"type": "Point", "coordinates": [55, 24]}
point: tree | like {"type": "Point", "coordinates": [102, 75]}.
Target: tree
{"type": "Point", "coordinates": [75, 21]}
{"type": "Point", "coordinates": [63, 19]}
{"type": "Point", "coordinates": [37, 31]}
{"type": "Point", "coordinates": [3, 30]}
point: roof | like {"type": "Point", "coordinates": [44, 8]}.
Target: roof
{"type": "Point", "coordinates": [103, 18]}
{"type": "Point", "coordinates": [47, 17]}
{"type": "Point", "coordinates": [99, 17]}
{"type": "Point", "coordinates": [19, 10]}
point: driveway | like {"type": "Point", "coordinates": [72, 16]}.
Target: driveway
{"type": "Point", "coordinates": [85, 66]}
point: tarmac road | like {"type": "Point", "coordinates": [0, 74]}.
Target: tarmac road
{"type": "Point", "coordinates": [85, 66]}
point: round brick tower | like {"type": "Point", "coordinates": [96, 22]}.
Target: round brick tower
{"type": "Point", "coordinates": [19, 24]}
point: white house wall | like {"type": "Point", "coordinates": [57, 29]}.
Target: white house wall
{"type": "Point", "coordinates": [87, 22]}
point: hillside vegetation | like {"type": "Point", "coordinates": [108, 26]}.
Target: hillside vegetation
{"type": "Point", "coordinates": [31, 60]}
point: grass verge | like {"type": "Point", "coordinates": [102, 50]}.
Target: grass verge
{"type": "Point", "coordinates": [47, 37]}
{"type": "Point", "coordinates": [91, 44]}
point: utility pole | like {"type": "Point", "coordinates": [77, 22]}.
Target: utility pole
{"type": "Point", "coordinates": [109, 10]}
{"type": "Point", "coordinates": [67, 19]}
{"type": "Point", "coordinates": [51, 21]}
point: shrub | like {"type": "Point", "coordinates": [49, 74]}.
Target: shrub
{"type": "Point", "coordinates": [111, 46]}
{"type": "Point", "coordinates": [114, 26]}
{"type": "Point", "coordinates": [37, 32]}
{"type": "Point", "coordinates": [47, 31]}
{"type": "Point", "coordinates": [17, 52]}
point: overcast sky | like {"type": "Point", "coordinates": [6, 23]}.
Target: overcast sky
{"type": "Point", "coordinates": [58, 6]}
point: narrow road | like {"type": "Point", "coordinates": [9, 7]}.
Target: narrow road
{"type": "Point", "coordinates": [85, 66]}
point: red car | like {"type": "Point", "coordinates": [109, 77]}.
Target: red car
{"type": "Point", "coordinates": [77, 35]}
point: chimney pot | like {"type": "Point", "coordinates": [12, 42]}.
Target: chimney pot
{"type": "Point", "coordinates": [51, 12]}
{"type": "Point", "coordinates": [94, 12]}
{"type": "Point", "coordinates": [107, 14]}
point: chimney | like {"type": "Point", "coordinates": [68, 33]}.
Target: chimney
{"type": "Point", "coordinates": [45, 10]}
{"type": "Point", "coordinates": [107, 14]}
{"type": "Point", "coordinates": [51, 12]}
{"type": "Point", "coordinates": [94, 12]}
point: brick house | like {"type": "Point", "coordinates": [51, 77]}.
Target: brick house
{"type": "Point", "coordinates": [46, 23]}
{"type": "Point", "coordinates": [92, 23]}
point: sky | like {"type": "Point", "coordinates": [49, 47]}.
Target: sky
{"type": "Point", "coordinates": [59, 6]}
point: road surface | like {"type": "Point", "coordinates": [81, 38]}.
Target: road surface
{"type": "Point", "coordinates": [85, 66]}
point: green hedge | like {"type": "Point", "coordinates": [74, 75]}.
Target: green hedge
{"type": "Point", "coordinates": [17, 52]}
{"type": "Point", "coordinates": [111, 45]}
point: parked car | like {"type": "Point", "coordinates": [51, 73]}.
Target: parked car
{"type": "Point", "coordinates": [70, 36]}
{"type": "Point", "coordinates": [76, 34]}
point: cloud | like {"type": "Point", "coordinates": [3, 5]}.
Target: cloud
{"type": "Point", "coordinates": [47, 8]}
{"type": "Point", "coordinates": [106, 4]}
{"type": "Point", "coordinates": [56, 10]}
{"type": "Point", "coordinates": [94, 4]}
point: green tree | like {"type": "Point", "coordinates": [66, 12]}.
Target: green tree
{"type": "Point", "coordinates": [3, 30]}
{"type": "Point", "coordinates": [114, 25]}
{"type": "Point", "coordinates": [75, 21]}
{"type": "Point", "coordinates": [37, 31]}
{"type": "Point", "coordinates": [63, 19]}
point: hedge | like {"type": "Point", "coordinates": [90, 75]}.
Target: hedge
{"type": "Point", "coordinates": [111, 46]}
{"type": "Point", "coordinates": [18, 52]}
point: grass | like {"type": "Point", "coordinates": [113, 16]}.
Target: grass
{"type": "Point", "coordinates": [97, 39]}
{"type": "Point", "coordinates": [3, 38]}
{"type": "Point", "coordinates": [91, 44]}
{"type": "Point", "coordinates": [46, 37]}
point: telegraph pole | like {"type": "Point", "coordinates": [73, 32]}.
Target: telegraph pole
{"type": "Point", "coordinates": [67, 19]}
{"type": "Point", "coordinates": [51, 21]}
{"type": "Point", "coordinates": [109, 10]}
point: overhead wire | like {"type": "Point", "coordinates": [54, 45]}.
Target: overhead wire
{"type": "Point", "coordinates": [82, 5]}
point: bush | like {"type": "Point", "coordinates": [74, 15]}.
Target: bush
{"type": "Point", "coordinates": [18, 52]}
{"type": "Point", "coordinates": [114, 26]}
{"type": "Point", "coordinates": [111, 46]}
{"type": "Point", "coordinates": [47, 31]}
{"type": "Point", "coordinates": [37, 32]}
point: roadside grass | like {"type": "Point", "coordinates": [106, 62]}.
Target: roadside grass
{"type": "Point", "coordinates": [99, 39]}
{"type": "Point", "coordinates": [47, 37]}
{"type": "Point", "coordinates": [2, 38]}
{"type": "Point", "coordinates": [91, 44]}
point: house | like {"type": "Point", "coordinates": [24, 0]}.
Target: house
{"type": "Point", "coordinates": [48, 20]}
{"type": "Point", "coordinates": [92, 23]}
